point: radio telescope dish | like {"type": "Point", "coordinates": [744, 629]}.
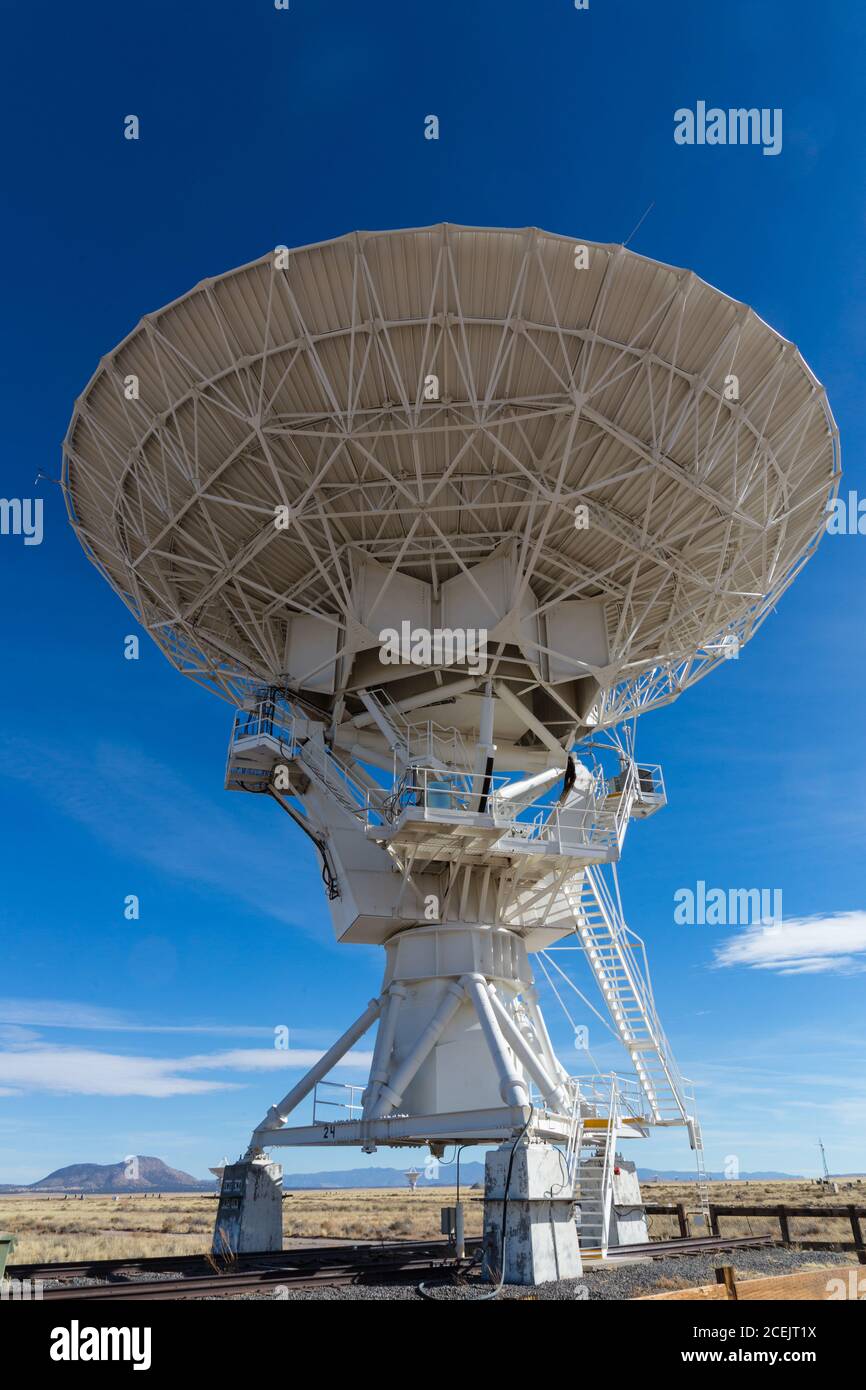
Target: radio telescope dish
{"type": "Point", "coordinates": [601, 462]}
{"type": "Point", "coordinates": [447, 504]}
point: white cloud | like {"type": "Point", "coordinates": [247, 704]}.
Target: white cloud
{"type": "Point", "coordinates": [81, 1071]}
{"type": "Point", "coordinates": [270, 1059]}
{"type": "Point", "coordinates": [13, 1036]}
{"type": "Point", "coordinates": [62, 1013]}
{"type": "Point", "coordinates": [144, 810]}
{"type": "Point", "coordinates": [56, 1013]}
{"type": "Point", "coordinates": [801, 946]}
{"type": "Point", "coordinates": [86, 1071]}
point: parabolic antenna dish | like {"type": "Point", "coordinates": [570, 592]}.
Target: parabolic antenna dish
{"type": "Point", "coordinates": [602, 462]}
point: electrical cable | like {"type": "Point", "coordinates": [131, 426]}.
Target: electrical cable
{"type": "Point", "coordinates": [424, 1288]}
{"type": "Point", "coordinates": [441, 1283]}
{"type": "Point", "coordinates": [329, 878]}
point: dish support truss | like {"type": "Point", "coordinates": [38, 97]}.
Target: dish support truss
{"type": "Point", "coordinates": [462, 1053]}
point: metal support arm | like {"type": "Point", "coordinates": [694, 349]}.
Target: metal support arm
{"type": "Point", "coordinates": [278, 1114]}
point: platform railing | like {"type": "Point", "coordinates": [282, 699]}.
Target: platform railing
{"type": "Point", "coordinates": [595, 1093]}
{"type": "Point", "coordinates": [431, 793]}
{"type": "Point", "coordinates": [425, 741]}
{"type": "Point", "coordinates": [434, 792]}
{"type": "Point", "coordinates": [267, 719]}
{"type": "Point", "coordinates": [343, 1096]}
{"type": "Point", "coordinates": [291, 736]}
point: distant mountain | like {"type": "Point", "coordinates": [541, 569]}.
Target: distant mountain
{"type": "Point", "coordinates": [152, 1176]}
{"type": "Point", "coordinates": [474, 1173]}
{"type": "Point", "coordinates": [383, 1177]}
{"type": "Point", "coordinates": [652, 1175]}
{"type": "Point", "coordinates": [156, 1176]}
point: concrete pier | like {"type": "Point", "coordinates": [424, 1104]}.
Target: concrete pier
{"type": "Point", "coordinates": [540, 1235]}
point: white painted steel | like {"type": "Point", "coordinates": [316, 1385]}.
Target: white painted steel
{"type": "Point", "coordinates": [457, 431]}
{"type": "Point", "coordinates": [303, 385]}
{"type": "Point", "coordinates": [511, 1087]}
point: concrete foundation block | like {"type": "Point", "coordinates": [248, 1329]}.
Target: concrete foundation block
{"type": "Point", "coordinates": [629, 1223]}
{"type": "Point", "coordinates": [250, 1210]}
{"type": "Point", "coordinates": [540, 1237]}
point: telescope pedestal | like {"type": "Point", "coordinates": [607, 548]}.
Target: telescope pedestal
{"type": "Point", "coordinates": [250, 1211]}
{"type": "Point", "coordinates": [537, 1200]}
{"type": "Point", "coordinates": [462, 1055]}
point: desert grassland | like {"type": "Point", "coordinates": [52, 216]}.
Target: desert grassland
{"type": "Point", "coordinates": [100, 1228]}
{"type": "Point", "coordinates": [795, 1193]}
{"type": "Point", "coordinates": [49, 1228]}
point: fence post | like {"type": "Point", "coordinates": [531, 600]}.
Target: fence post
{"type": "Point", "coordinates": [681, 1217]}
{"type": "Point", "coordinates": [714, 1220]}
{"type": "Point", "coordinates": [783, 1224]}
{"type": "Point", "coordinates": [857, 1233]}
{"type": "Point", "coordinates": [725, 1275]}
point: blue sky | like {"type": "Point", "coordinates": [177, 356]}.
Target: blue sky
{"type": "Point", "coordinates": [261, 127]}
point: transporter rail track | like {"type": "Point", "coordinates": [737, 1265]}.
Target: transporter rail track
{"type": "Point", "coordinates": [194, 1276]}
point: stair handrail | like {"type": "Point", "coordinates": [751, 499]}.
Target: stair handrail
{"type": "Point", "coordinates": [607, 1170]}
{"type": "Point", "coordinates": [638, 984]}
{"type": "Point", "coordinates": [575, 1132]}
{"type": "Point", "coordinates": [626, 801]}
{"type": "Point", "coordinates": [324, 763]}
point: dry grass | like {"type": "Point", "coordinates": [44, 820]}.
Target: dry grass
{"type": "Point", "coordinates": [376, 1213]}
{"type": "Point", "coordinates": [100, 1228]}
{"type": "Point", "coordinates": [800, 1193]}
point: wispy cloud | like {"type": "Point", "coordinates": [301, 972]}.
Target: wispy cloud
{"type": "Point", "coordinates": [62, 1013]}
{"type": "Point", "coordinates": [143, 810]}
{"type": "Point", "coordinates": [87, 1071]}
{"type": "Point", "coordinates": [56, 1013]}
{"type": "Point", "coordinates": [270, 1059]}
{"type": "Point", "coordinates": [30, 1063]}
{"type": "Point", "coordinates": [801, 946]}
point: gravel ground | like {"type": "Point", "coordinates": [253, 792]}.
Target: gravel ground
{"type": "Point", "coordinates": [84, 1281]}
{"type": "Point", "coordinates": [613, 1282]}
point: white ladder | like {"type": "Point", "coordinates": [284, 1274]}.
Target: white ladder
{"type": "Point", "coordinates": [595, 1175]}
{"type": "Point", "coordinates": [702, 1183]}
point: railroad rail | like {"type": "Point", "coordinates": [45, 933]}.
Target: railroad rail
{"type": "Point", "coordinates": [318, 1267]}
{"type": "Point", "coordinates": [254, 1281]}
{"type": "Point", "coordinates": [199, 1276]}
{"type": "Point", "coordinates": [687, 1245]}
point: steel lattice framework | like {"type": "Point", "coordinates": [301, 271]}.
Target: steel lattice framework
{"type": "Point", "coordinates": [560, 380]}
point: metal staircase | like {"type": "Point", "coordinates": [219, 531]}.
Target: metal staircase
{"type": "Point", "coordinates": [328, 771]}
{"type": "Point", "coordinates": [592, 1234]}
{"type": "Point", "coordinates": [271, 734]}
{"type": "Point", "coordinates": [702, 1182]}
{"type": "Point", "coordinates": [615, 956]}
{"type": "Point", "coordinates": [617, 959]}
{"type": "Point", "coordinates": [595, 1175]}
